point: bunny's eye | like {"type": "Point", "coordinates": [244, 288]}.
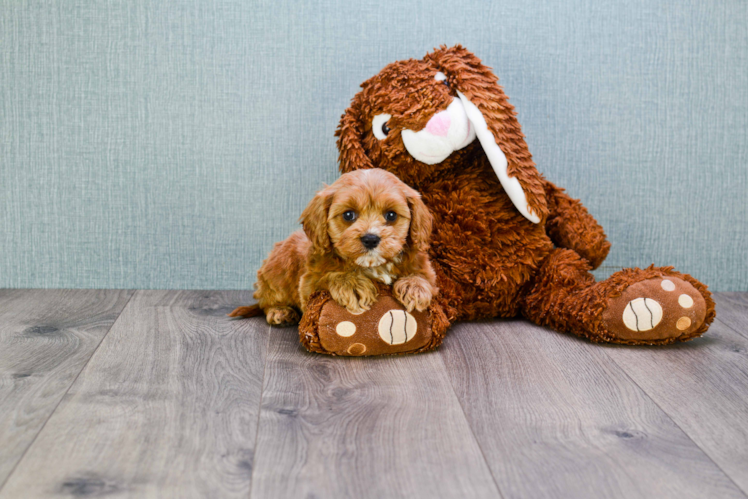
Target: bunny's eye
{"type": "Point", "coordinates": [379, 126]}
{"type": "Point", "coordinates": [441, 77]}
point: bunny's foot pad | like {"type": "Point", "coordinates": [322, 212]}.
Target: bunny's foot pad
{"type": "Point", "coordinates": [656, 310]}
{"type": "Point", "coordinates": [386, 328]}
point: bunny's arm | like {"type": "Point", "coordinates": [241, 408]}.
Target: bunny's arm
{"type": "Point", "coordinates": [570, 225]}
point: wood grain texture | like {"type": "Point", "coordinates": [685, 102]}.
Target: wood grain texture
{"type": "Point", "coordinates": [167, 407]}
{"type": "Point", "coordinates": [732, 310]}
{"type": "Point", "coordinates": [362, 427]}
{"type": "Point", "coordinates": [556, 418]}
{"type": "Point", "coordinates": [703, 386]}
{"type": "Point", "coordinates": [46, 338]}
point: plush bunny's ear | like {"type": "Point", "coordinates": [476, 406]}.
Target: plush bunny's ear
{"type": "Point", "coordinates": [350, 141]}
{"type": "Point", "coordinates": [314, 221]}
{"type": "Point", "coordinates": [496, 127]}
{"type": "Point", "coordinates": [498, 160]}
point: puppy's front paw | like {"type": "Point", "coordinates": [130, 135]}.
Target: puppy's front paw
{"type": "Point", "coordinates": [356, 295]}
{"type": "Point", "coordinates": [414, 292]}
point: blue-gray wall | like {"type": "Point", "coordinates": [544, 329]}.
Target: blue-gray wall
{"type": "Point", "coordinates": [169, 144]}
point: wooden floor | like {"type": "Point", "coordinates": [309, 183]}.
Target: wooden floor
{"type": "Point", "coordinates": [157, 393]}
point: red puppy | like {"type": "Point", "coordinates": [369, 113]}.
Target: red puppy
{"type": "Point", "coordinates": [368, 225]}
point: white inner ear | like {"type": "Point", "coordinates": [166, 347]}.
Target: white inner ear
{"type": "Point", "coordinates": [497, 159]}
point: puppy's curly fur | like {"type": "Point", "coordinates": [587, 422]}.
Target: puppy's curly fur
{"type": "Point", "coordinates": [368, 225]}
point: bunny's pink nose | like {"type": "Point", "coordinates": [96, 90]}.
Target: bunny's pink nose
{"type": "Point", "coordinates": [439, 124]}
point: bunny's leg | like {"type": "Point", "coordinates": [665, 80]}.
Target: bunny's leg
{"type": "Point", "coordinates": [656, 305]}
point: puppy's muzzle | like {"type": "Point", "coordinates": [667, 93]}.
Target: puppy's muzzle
{"type": "Point", "coordinates": [370, 241]}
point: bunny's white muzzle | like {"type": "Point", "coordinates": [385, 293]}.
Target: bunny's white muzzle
{"type": "Point", "coordinates": [445, 133]}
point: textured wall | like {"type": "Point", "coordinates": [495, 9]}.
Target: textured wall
{"type": "Point", "coordinates": [169, 144]}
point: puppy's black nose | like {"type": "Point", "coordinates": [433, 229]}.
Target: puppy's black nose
{"type": "Point", "coordinates": [370, 240]}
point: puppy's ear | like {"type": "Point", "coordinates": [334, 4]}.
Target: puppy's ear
{"type": "Point", "coordinates": [314, 221]}
{"type": "Point", "coordinates": [496, 126]}
{"type": "Point", "coordinates": [350, 140]}
{"type": "Point", "coordinates": [421, 221]}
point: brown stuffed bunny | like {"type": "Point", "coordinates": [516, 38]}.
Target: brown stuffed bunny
{"type": "Point", "coordinates": [505, 240]}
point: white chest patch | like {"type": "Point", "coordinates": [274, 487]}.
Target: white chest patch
{"type": "Point", "coordinates": [381, 273]}
{"type": "Point", "coordinates": [370, 260]}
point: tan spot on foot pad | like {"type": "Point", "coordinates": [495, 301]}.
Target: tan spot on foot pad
{"type": "Point", "coordinates": [357, 349]}
{"type": "Point", "coordinates": [683, 323]}
{"type": "Point", "coordinates": [655, 309]}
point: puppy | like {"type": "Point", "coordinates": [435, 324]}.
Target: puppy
{"type": "Point", "coordinates": [367, 226]}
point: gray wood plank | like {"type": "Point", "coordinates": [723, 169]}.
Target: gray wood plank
{"type": "Point", "coordinates": [555, 417]}
{"type": "Point", "coordinates": [732, 310]}
{"type": "Point", "coordinates": [362, 427]}
{"type": "Point", "coordinates": [703, 386]}
{"type": "Point", "coordinates": [46, 338]}
{"type": "Point", "coordinates": [167, 406]}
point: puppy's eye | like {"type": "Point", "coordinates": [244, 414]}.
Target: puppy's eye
{"type": "Point", "coordinates": [349, 216]}
{"type": "Point", "coordinates": [390, 216]}
{"type": "Point", "coordinates": [379, 126]}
